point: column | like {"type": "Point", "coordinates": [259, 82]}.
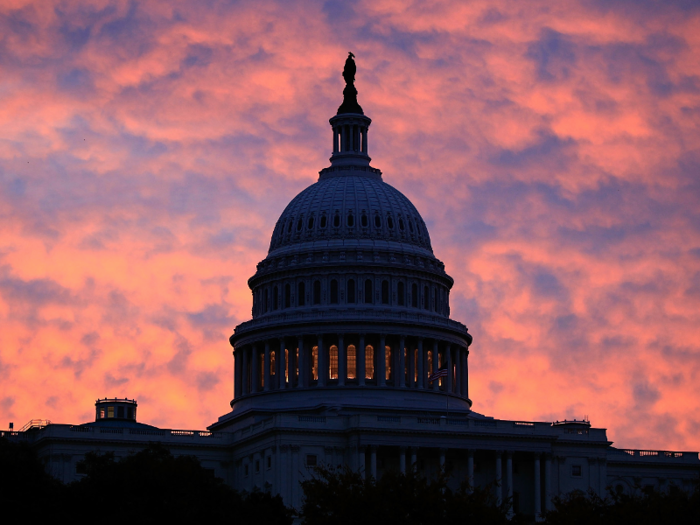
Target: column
{"type": "Point", "coordinates": [342, 361]}
{"type": "Point", "coordinates": [322, 363]}
{"type": "Point", "coordinates": [548, 482]}
{"type": "Point", "coordinates": [458, 370]}
{"type": "Point", "coordinates": [402, 363]}
{"type": "Point", "coordinates": [499, 478]}
{"type": "Point", "coordinates": [237, 375]}
{"type": "Point", "coordinates": [436, 364]}
{"type": "Point", "coordinates": [414, 458]}
{"type": "Point", "coordinates": [421, 364]}
{"type": "Point", "coordinates": [538, 490]}
{"type": "Point", "coordinates": [402, 460]}
{"type": "Point", "coordinates": [302, 382]}
{"type": "Point", "coordinates": [373, 462]}
{"type": "Point", "coordinates": [450, 384]}
{"type": "Point", "coordinates": [255, 369]}
{"type": "Point", "coordinates": [292, 365]}
{"type": "Point", "coordinates": [246, 386]}
{"type": "Point", "coordinates": [282, 368]}
{"type": "Point", "coordinates": [443, 452]}
{"type": "Point", "coordinates": [361, 361]}
{"type": "Point", "coordinates": [466, 372]}
{"type": "Point", "coordinates": [509, 480]}
{"type": "Point", "coordinates": [410, 355]}
{"type": "Point", "coordinates": [470, 469]}
{"type": "Point", "coordinates": [381, 361]}
{"type": "Point", "coordinates": [361, 459]}
{"type": "Point", "coordinates": [266, 366]}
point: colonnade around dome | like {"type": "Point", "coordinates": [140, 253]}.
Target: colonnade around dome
{"type": "Point", "coordinates": [350, 359]}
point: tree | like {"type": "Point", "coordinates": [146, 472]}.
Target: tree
{"type": "Point", "coordinates": [344, 497]}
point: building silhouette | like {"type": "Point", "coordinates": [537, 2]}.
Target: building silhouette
{"type": "Point", "coordinates": [351, 359]}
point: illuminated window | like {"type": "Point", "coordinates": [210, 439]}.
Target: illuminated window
{"type": "Point", "coordinates": [286, 365]}
{"type": "Point", "coordinates": [110, 412]}
{"type": "Point", "coordinates": [273, 359]}
{"type": "Point", "coordinates": [352, 362]}
{"type": "Point", "coordinates": [102, 413]}
{"type": "Point", "coordinates": [333, 364]}
{"type": "Point", "coordinates": [369, 362]}
{"type": "Point", "coordinates": [430, 363]}
{"type": "Point", "coordinates": [387, 359]}
{"type": "Point", "coordinates": [314, 363]}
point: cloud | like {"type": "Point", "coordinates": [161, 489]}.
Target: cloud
{"type": "Point", "coordinates": [147, 150]}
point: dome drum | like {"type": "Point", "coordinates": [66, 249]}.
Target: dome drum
{"type": "Point", "coordinates": [349, 360]}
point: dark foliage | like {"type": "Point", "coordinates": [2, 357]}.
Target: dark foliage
{"type": "Point", "coordinates": [343, 497]}
{"type": "Point", "coordinates": [645, 507]}
{"type": "Point", "coordinates": [148, 486]}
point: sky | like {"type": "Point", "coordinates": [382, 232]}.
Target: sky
{"type": "Point", "coordinates": [553, 149]}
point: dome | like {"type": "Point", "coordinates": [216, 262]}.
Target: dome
{"type": "Point", "coordinates": [350, 208]}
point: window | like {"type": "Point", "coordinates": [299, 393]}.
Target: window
{"type": "Point", "coordinates": [289, 225]}
{"type": "Point", "coordinates": [110, 411]}
{"type": "Point", "coordinates": [387, 362]}
{"type": "Point", "coordinates": [401, 225]}
{"type": "Point", "coordinates": [334, 292]}
{"type": "Point", "coordinates": [426, 298]}
{"type": "Point", "coordinates": [301, 296]}
{"type": "Point", "coordinates": [275, 299]}
{"type": "Point", "coordinates": [273, 367]}
{"type": "Point", "coordinates": [430, 363]}
{"type": "Point", "coordinates": [410, 225]}
{"type": "Point", "coordinates": [267, 300]}
{"type": "Point", "coordinates": [351, 220]}
{"type": "Point", "coordinates": [352, 361]}
{"type": "Point", "coordinates": [314, 363]}
{"type": "Point", "coordinates": [245, 470]}
{"type": "Point", "coordinates": [120, 412]}
{"type": "Point", "coordinates": [400, 293]}
{"type": "Point", "coordinates": [336, 221]}
{"type": "Point", "coordinates": [390, 222]}
{"type": "Point", "coordinates": [364, 221]}
{"type": "Point", "coordinates": [310, 224]}
{"type": "Point", "coordinates": [385, 292]}
{"type": "Point", "coordinates": [333, 362]}
{"type": "Point", "coordinates": [269, 462]}
{"type": "Point", "coordinates": [102, 413]}
{"type": "Point", "coordinates": [368, 291]}
{"type": "Point", "coordinates": [311, 460]}
{"type": "Point", "coordinates": [377, 221]}
{"type": "Point", "coordinates": [576, 471]}
{"type": "Point", "coordinates": [323, 221]}
{"type": "Point", "coordinates": [287, 296]}
{"type": "Point", "coordinates": [257, 465]}
{"type": "Point", "coordinates": [299, 224]}
{"type": "Point", "coordinates": [130, 413]}
{"type": "Point", "coordinates": [317, 292]}
{"type": "Point", "coordinates": [369, 362]}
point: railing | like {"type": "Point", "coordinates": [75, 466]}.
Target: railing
{"type": "Point", "coordinates": [312, 419]}
{"type": "Point", "coordinates": [481, 423]}
{"type": "Point", "coordinates": [35, 423]}
{"type": "Point", "coordinates": [457, 422]}
{"type": "Point", "coordinates": [389, 419]}
{"type": "Point", "coordinates": [428, 420]}
{"type": "Point", "coordinates": [523, 424]}
{"type": "Point", "coordinates": [656, 453]}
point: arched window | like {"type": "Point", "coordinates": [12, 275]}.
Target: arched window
{"type": "Point", "coordinates": [317, 292]}
{"type": "Point", "coordinates": [301, 295]}
{"type": "Point", "coordinates": [323, 221]}
{"type": "Point", "coordinates": [414, 295]}
{"type": "Point", "coordinates": [400, 293]}
{"type": "Point", "coordinates": [426, 298]}
{"type": "Point", "coordinates": [334, 291]}
{"type": "Point", "coordinates": [368, 291]}
{"type": "Point", "coordinates": [314, 363]}
{"type": "Point", "coordinates": [336, 220]}
{"type": "Point", "coordinates": [364, 221]}
{"type": "Point", "coordinates": [401, 225]}
{"type": "Point", "coordinates": [410, 224]}
{"type": "Point", "coordinates": [352, 362]}
{"type": "Point", "coordinates": [351, 220]}
{"type": "Point", "coordinates": [385, 292]}
{"type": "Point", "coordinates": [333, 362]}
{"type": "Point", "coordinates": [388, 354]}
{"type": "Point", "coordinates": [377, 221]}
{"type": "Point", "coordinates": [289, 225]}
{"type": "Point", "coordinates": [310, 224]}
{"type": "Point", "coordinates": [287, 296]}
{"type": "Point", "coordinates": [299, 224]}
{"type": "Point", "coordinates": [351, 291]}
{"type": "Point", "coordinates": [275, 298]}
{"type": "Point", "coordinates": [369, 362]}
{"type": "Point", "coordinates": [390, 222]}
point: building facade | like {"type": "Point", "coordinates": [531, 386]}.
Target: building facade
{"type": "Point", "coordinates": [351, 359]}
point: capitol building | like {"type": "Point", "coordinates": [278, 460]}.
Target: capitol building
{"type": "Point", "coordinates": [351, 360]}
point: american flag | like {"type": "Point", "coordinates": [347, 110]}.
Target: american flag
{"type": "Point", "coordinates": [437, 375]}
